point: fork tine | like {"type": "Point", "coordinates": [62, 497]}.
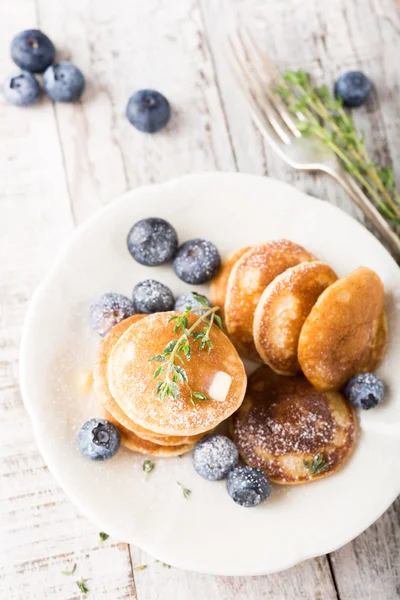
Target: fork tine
{"type": "Point", "coordinates": [273, 74]}
{"type": "Point", "coordinates": [256, 89]}
{"type": "Point", "coordinates": [257, 114]}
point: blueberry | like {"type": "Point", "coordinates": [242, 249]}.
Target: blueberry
{"type": "Point", "coordinates": [99, 439]}
{"type": "Point", "coordinates": [197, 261]}
{"type": "Point", "coordinates": [32, 51]}
{"type": "Point", "coordinates": [108, 310]}
{"type": "Point", "coordinates": [247, 486]}
{"type": "Point", "coordinates": [21, 89]}
{"type": "Point", "coordinates": [354, 88]}
{"type": "Point", "coordinates": [188, 299]}
{"type": "Point", "coordinates": [152, 242]}
{"type": "Point", "coordinates": [63, 82]}
{"type": "Point", "coordinates": [214, 457]}
{"type": "Point", "coordinates": [364, 390]}
{"type": "Point", "coordinates": [150, 296]}
{"type": "Point", "coordinates": [148, 111]}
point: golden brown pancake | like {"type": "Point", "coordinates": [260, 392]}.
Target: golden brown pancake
{"type": "Point", "coordinates": [292, 431]}
{"type": "Point", "coordinates": [220, 282]}
{"type": "Point", "coordinates": [283, 307]}
{"type": "Point", "coordinates": [377, 348]}
{"type": "Point", "coordinates": [105, 398]}
{"type": "Point", "coordinates": [133, 387]}
{"type": "Point", "coordinates": [336, 337]}
{"type": "Point", "coordinates": [249, 277]}
{"type": "Point", "coordinates": [137, 444]}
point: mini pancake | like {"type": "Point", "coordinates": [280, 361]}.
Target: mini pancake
{"type": "Point", "coordinates": [220, 282]}
{"type": "Point", "coordinates": [337, 335]}
{"type": "Point", "coordinates": [283, 307]}
{"type": "Point", "coordinates": [286, 428]}
{"type": "Point", "coordinates": [249, 277]}
{"type": "Point", "coordinates": [377, 348]}
{"type": "Point", "coordinates": [132, 384]}
{"type": "Point", "coordinates": [105, 398]}
{"type": "Point", "coordinates": [137, 444]}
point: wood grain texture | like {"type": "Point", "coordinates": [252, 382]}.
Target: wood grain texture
{"type": "Point", "coordinates": [60, 163]}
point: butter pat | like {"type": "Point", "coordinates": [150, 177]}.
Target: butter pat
{"type": "Point", "coordinates": [219, 387]}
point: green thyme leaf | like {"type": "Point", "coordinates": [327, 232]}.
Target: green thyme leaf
{"type": "Point", "coordinates": [200, 396]}
{"type": "Point", "coordinates": [140, 568]}
{"type": "Point", "coordinates": [218, 321]}
{"type": "Point", "coordinates": [71, 572]}
{"type": "Point", "coordinates": [175, 391]}
{"type": "Point", "coordinates": [81, 585]}
{"type": "Point", "coordinates": [157, 358]}
{"type": "Point", "coordinates": [103, 536]}
{"type": "Point", "coordinates": [170, 347]}
{"type": "Point", "coordinates": [158, 371]}
{"type": "Point", "coordinates": [200, 299]}
{"type": "Point", "coordinates": [148, 465]}
{"type": "Point", "coordinates": [185, 491]}
{"type": "Point", "coordinates": [182, 374]}
{"type": "Point", "coordinates": [317, 466]}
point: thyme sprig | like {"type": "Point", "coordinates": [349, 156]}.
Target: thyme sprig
{"type": "Point", "coordinates": [317, 466]}
{"type": "Point", "coordinates": [174, 375]}
{"type": "Point", "coordinates": [321, 115]}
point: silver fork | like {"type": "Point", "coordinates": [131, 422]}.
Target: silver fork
{"type": "Point", "coordinates": [255, 75]}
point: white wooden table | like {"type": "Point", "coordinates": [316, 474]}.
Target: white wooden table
{"type": "Point", "coordinates": [58, 164]}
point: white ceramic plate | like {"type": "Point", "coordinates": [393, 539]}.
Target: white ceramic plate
{"type": "Point", "coordinates": [208, 532]}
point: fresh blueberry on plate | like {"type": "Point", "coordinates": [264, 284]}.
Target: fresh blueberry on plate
{"type": "Point", "coordinates": [99, 439]}
{"type": "Point", "coordinates": [148, 111]}
{"type": "Point", "coordinates": [108, 310]}
{"type": "Point", "coordinates": [354, 88]}
{"type": "Point", "coordinates": [214, 457]}
{"type": "Point", "coordinates": [32, 51]}
{"type": "Point", "coordinates": [152, 242]}
{"type": "Point", "coordinates": [63, 82]}
{"type": "Point", "coordinates": [364, 390]}
{"type": "Point", "coordinates": [247, 486]}
{"type": "Point", "coordinates": [21, 89]}
{"type": "Point", "coordinates": [185, 300]}
{"type": "Point", "coordinates": [150, 296]}
{"type": "Point", "coordinates": [197, 261]}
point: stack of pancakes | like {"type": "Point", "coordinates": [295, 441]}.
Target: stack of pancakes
{"type": "Point", "coordinates": [285, 308]}
{"type": "Point", "coordinates": [126, 389]}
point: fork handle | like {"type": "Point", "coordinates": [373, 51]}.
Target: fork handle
{"type": "Point", "coordinates": [370, 211]}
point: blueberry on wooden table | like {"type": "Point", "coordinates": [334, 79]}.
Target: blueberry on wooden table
{"type": "Point", "coordinates": [22, 89]}
{"type": "Point", "coordinates": [150, 296]}
{"type": "Point", "coordinates": [99, 439]}
{"type": "Point", "coordinates": [214, 457]}
{"type": "Point", "coordinates": [248, 486]}
{"type": "Point", "coordinates": [354, 88]}
{"type": "Point", "coordinates": [32, 51]}
{"type": "Point", "coordinates": [148, 111]}
{"type": "Point", "coordinates": [63, 82]}
{"type": "Point", "coordinates": [364, 390]}
{"type": "Point", "coordinates": [197, 261]}
{"type": "Point", "coordinates": [152, 242]}
{"type": "Point", "coordinates": [108, 310]}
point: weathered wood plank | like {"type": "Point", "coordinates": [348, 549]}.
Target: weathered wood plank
{"type": "Point", "coordinates": [110, 41]}
{"type": "Point", "coordinates": [311, 579]}
{"type": "Point", "coordinates": [369, 567]}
